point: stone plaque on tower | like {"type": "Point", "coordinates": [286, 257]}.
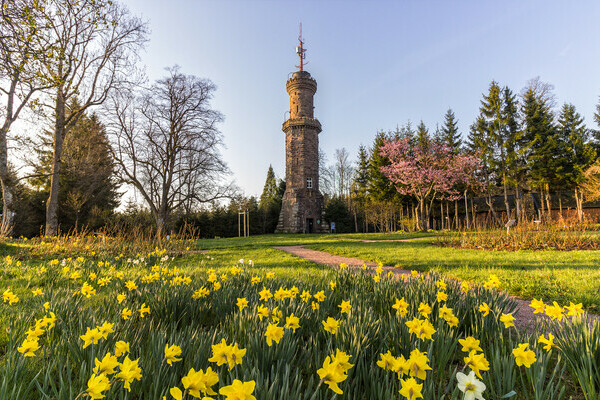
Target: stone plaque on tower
{"type": "Point", "coordinates": [302, 203]}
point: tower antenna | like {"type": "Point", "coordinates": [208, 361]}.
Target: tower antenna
{"type": "Point", "coordinates": [300, 50]}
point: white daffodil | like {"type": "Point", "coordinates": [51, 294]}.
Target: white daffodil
{"type": "Point", "coordinates": [470, 386]}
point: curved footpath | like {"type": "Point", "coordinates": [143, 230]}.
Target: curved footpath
{"type": "Point", "coordinates": [523, 319]}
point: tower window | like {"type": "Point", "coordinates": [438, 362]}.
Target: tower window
{"type": "Point", "coordinates": [309, 183]}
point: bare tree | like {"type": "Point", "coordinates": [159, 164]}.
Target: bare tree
{"type": "Point", "coordinates": [23, 47]}
{"type": "Point", "coordinates": [95, 47]}
{"type": "Point", "coordinates": [166, 144]}
{"type": "Point", "coordinates": [343, 171]}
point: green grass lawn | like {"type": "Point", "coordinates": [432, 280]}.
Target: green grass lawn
{"type": "Point", "coordinates": [552, 275]}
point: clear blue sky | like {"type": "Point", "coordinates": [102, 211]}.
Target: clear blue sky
{"type": "Point", "coordinates": [378, 64]}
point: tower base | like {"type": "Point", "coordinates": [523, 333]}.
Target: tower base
{"type": "Point", "coordinates": [302, 212]}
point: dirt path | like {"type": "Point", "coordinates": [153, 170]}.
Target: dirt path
{"type": "Point", "coordinates": [523, 318]}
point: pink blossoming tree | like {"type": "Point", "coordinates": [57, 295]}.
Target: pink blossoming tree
{"type": "Point", "coordinates": [428, 172]}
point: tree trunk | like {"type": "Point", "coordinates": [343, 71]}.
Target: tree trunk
{"type": "Point", "coordinates": [548, 201]}
{"type": "Point", "coordinates": [579, 202]}
{"type": "Point", "coordinates": [442, 215]}
{"type": "Point", "coordinates": [518, 203]}
{"type": "Point", "coordinates": [506, 204]}
{"type": "Point", "coordinates": [7, 187]}
{"type": "Point", "coordinates": [474, 223]}
{"type": "Point", "coordinates": [466, 210]}
{"type": "Point", "coordinates": [59, 136]}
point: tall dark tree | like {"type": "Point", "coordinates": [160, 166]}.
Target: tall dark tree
{"type": "Point", "coordinates": [88, 188]}
{"type": "Point", "coordinates": [422, 136]}
{"type": "Point", "coordinates": [360, 184]}
{"type": "Point", "coordinates": [379, 186]}
{"type": "Point", "coordinates": [579, 154]}
{"type": "Point", "coordinates": [449, 132]}
{"type": "Point", "coordinates": [539, 131]}
{"type": "Point", "coordinates": [270, 203]}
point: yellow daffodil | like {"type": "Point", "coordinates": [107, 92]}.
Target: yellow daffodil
{"type": "Point", "coordinates": [96, 385]}
{"type": "Point", "coordinates": [465, 287]}
{"type": "Point", "coordinates": [9, 297]}
{"type": "Point", "coordinates": [305, 296]}
{"type": "Point", "coordinates": [469, 344]}
{"type": "Point", "coordinates": [508, 320]}
{"type": "Point", "coordinates": [199, 381]}
{"type": "Point", "coordinates": [524, 356]}
{"type": "Point", "coordinates": [292, 322]}
{"type": "Point", "coordinates": [411, 390]}
{"type": "Point", "coordinates": [484, 309]}
{"type": "Point", "coordinates": [477, 362]}
{"type": "Point", "coordinates": [265, 294]}
{"type": "Point", "coordinates": [345, 307]}
{"type": "Point", "coordinates": [555, 311]}
{"type": "Point", "coordinates": [320, 296]}
{"type": "Point", "coordinates": [128, 372]}
{"type": "Point", "coordinates": [37, 292]}
{"type": "Point", "coordinates": [171, 353]}
{"type": "Point", "coordinates": [549, 343]}
{"type": "Point", "coordinates": [107, 366]}
{"type": "Point", "coordinates": [331, 325]}
{"type": "Point", "coordinates": [401, 307]}
{"type": "Point", "coordinates": [91, 336]}
{"type": "Point", "coordinates": [238, 390]}
{"type": "Point", "coordinates": [424, 310]}
{"type": "Point", "coordinates": [537, 305]}
{"type": "Point", "coordinates": [262, 312]}
{"type": "Point", "coordinates": [126, 313]}
{"type": "Point", "coordinates": [242, 303]}
{"type": "Point", "coordinates": [273, 333]}
{"type": "Point", "coordinates": [29, 347]}
{"type": "Point", "coordinates": [121, 348]}
{"type": "Point", "coordinates": [574, 309]}
{"type": "Point", "coordinates": [105, 329]}
{"type": "Point", "coordinates": [144, 309]}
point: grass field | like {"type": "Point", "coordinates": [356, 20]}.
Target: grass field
{"type": "Point", "coordinates": [552, 275]}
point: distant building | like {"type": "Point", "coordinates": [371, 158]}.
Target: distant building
{"type": "Point", "coordinates": [302, 205]}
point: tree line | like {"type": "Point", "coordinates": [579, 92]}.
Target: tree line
{"type": "Point", "coordinates": [100, 127]}
{"type": "Point", "coordinates": [520, 148]}
{"type": "Point", "coordinates": [73, 68]}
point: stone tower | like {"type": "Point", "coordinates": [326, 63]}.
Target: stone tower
{"type": "Point", "coordinates": [302, 205]}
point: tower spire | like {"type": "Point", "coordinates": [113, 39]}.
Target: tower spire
{"type": "Point", "coordinates": [300, 50]}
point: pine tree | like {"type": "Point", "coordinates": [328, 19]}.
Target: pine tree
{"type": "Point", "coordinates": [88, 189]}
{"type": "Point", "coordinates": [578, 153]}
{"type": "Point", "coordinates": [270, 202]}
{"type": "Point", "coordinates": [379, 186]}
{"type": "Point", "coordinates": [539, 132]}
{"type": "Point", "coordinates": [270, 190]}
{"type": "Point", "coordinates": [423, 138]}
{"type": "Point", "coordinates": [449, 132]}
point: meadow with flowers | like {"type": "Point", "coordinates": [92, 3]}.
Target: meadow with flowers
{"type": "Point", "coordinates": [80, 319]}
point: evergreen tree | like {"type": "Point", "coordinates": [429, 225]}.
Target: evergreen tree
{"type": "Point", "coordinates": [379, 186]}
{"type": "Point", "coordinates": [449, 132]}
{"type": "Point", "coordinates": [270, 203]}
{"type": "Point", "coordinates": [543, 147]}
{"type": "Point", "coordinates": [578, 154]}
{"type": "Point", "coordinates": [423, 138]}
{"type": "Point", "coordinates": [360, 184]}
{"type": "Point", "coordinates": [88, 190]}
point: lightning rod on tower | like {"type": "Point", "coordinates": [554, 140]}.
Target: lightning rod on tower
{"type": "Point", "coordinates": [300, 50]}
